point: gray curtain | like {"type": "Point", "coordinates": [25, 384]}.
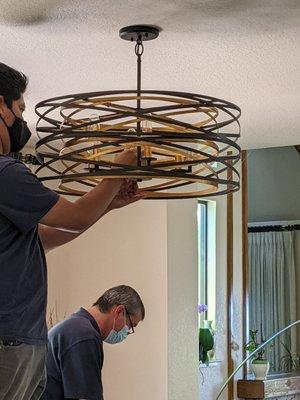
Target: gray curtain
{"type": "Point", "coordinates": [272, 292]}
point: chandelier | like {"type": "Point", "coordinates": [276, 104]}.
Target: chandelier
{"type": "Point", "coordinates": [184, 148]}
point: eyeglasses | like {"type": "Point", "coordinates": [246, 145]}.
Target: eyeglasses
{"type": "Point", "coordinates": [131, 329]}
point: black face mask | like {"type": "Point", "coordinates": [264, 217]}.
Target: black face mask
{"type": "Point", "coordinates": [19, 133]}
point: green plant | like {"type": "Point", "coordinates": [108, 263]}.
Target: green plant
{"type": "Point", "coordinates": [253, 344]}
{"type": "Point", "coordinates": [206, 343]}
{"type": "Point", "coordinates": [290, 361]}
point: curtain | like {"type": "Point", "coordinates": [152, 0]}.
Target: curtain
{"type": "Point", "coordinates": [272, 292]}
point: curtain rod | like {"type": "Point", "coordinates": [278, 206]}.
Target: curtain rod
{"type": "Point", "coordinates": [273, 228]}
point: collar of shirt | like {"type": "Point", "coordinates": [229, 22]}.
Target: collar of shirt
{"type": "Point", "coordinates": [85, 314]}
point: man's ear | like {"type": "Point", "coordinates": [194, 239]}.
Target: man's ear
{"type": "Point", "coordinates": [120, 309]}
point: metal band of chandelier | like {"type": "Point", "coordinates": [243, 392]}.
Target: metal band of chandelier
{"type": "Point", "coordinates": [182, 140]}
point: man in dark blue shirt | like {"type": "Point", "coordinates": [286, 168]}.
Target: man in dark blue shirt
{"type": "Point", "coordinates": [34, 220]}
{"type": "Point", "coordinates": [75, 354]}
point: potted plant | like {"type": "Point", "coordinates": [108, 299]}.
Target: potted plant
{"type": "Point", "coordinates": [206, 340]}
{"type": "Point", "coordinates": [259, 363]}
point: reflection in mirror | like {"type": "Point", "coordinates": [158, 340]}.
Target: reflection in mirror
{"type": "Point", "coordinates": [274, 252]}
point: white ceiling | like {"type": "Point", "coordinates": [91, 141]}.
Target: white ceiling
{"type": "Point", "coordinates": [245, 51]}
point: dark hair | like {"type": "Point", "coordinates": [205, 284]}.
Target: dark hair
{"type": "Point", "coordinates": [121, 295]}
{"type": "Point", "coordinates": [12, 84]}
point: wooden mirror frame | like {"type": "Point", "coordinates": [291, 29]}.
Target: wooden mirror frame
{"type": "Point", "coordinates": [245, 271]}
{"type": "Point", "coordinates": [229, 290]}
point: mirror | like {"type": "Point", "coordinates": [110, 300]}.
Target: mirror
{"type": "Point", "coordinates": [272, 215]}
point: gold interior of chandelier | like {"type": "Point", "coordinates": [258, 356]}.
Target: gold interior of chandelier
{"type": "Point", "coordinates": [159, 155]}
{"type": "Point", "coordinates": [115, 103]}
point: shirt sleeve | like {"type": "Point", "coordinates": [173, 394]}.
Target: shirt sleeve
{"type": "Point", "coordinates": [81, 371]}
{"type": "Point", "coordinates": [24, 200]}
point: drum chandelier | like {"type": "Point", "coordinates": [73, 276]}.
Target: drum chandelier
{"type": "Point", "coordinates": [184, 147]}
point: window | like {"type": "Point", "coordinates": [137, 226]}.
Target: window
{"type": "Point", "coordinates": [206, 215]}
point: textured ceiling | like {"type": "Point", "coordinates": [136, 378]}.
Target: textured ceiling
{"type": "Point", "coordinates": [245, 51]}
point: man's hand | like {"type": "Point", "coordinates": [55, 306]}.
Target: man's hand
{"type": "Point", "coordinates": [127, 194]}
{"type": "Point", "coordinates": [128, 157]}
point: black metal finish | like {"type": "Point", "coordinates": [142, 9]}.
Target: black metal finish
{"type": "Point", "coordinates": [144, 32]}
{"type": "Point", "coordinates": [26, 158]}
{"type": "Point", "coordinates": [139, 49]}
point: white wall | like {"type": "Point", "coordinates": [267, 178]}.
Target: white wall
{"type": "Point", "coordinates": [126, 247]}
{"type": "Point", "coordinates": [182, 300]}
{"type": "Point", "coordinates": [153, 247]}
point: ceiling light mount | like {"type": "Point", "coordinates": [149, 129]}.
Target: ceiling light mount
{"type": "Point", "coordinates": [139, 32]}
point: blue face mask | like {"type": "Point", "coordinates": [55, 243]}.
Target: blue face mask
{"type": "Point", "coordinates": [115, 337]}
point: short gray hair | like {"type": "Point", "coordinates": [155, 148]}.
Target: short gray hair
{"type": "Point", "coordinates": [121, 295]}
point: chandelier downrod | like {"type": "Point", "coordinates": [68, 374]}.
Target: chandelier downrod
{"type": "Point", "coordinates": [139, 49]}
{"type": "Point", "coordinates": [139, 34]}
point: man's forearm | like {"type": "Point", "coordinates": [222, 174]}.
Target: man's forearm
{"type": "Point", "coordinates": [52, 238]}
{"type": "Point", "coordinates": [88, 206]}
{"type": "Point", "coordinates": [78, 216]}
